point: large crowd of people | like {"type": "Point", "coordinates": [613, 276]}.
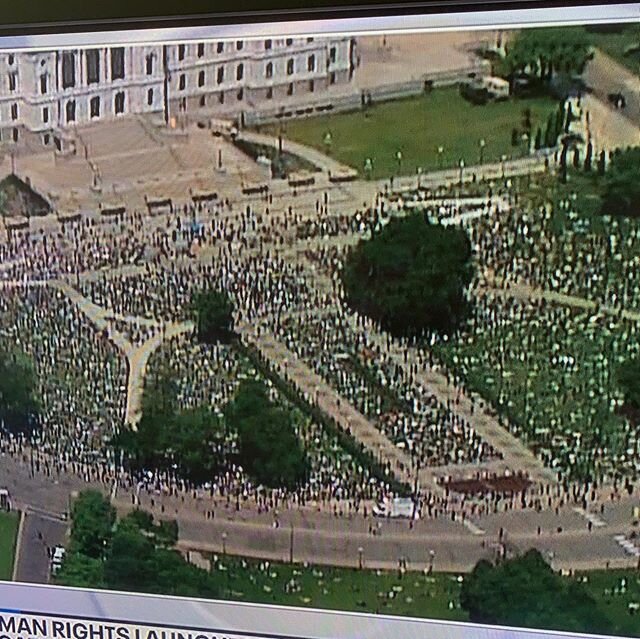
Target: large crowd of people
{"type": "Point", "coordinates": [547, 370]}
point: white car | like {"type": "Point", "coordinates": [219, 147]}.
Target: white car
{"type": "Point", "coordinates": [57, 558]}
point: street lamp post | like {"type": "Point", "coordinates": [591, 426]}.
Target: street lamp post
{"type": "Point", "coordinates": [224, 543]}
{"type": "Point", "coordinates": [291, 545]}
{"type": "Point", "coordinates": [503, 159]}
{"type": "Point", "coordinates": [440, 152]}
{"type": "Point", "coordinates": [360, 553]}
{"type": "Point", "coordinates": [461, 164]}
{"type": "Point", "coordinates": [482, 144]}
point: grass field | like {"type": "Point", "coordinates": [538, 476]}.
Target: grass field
{"type": "Point", "coordinates": [8, 534]}
{"type": "Point", "coordinates": [384, 592]}
{"type": "Point", "coordinates": [617, 593]}
{"type": "Point", "coordinates": [417, 127]}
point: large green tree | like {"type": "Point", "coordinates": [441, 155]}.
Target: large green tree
{"type": "Point", "coordinates": [18, 395]}
{"type": "Point", "coordinates": [93, 521]}
{"type": "Point", "coordinates": [526, 592]}
{"type": "Point", "coordinates": [269, 448]}
{"type": "Point", "coordinates": [629, 382]}
{"type": "Point", "coordinates": [191, 442]}
{"type": "Point", "coordinates": [411, 277]}
{"type": "Point", "coordinates": [213, 312]}
{"type": "Point", "coordinates": [544, 53]}
{"type": "Point", "coordinates": [81, 571]}
{"type": "Point", "coordinates": [622, 185]}
{"type": "Point", "coordinates": [138, 554]}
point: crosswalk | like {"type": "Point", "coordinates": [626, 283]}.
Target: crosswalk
{"type": "Point", "coordinates": [594, 518]}
{"type": "Point", "coordinates": [472, 528]}
{"type": "Point", "coordinates": [627, 545]}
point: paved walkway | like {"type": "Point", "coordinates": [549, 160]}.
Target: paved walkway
{"type": "Point", "coordinates": [318, 392]}
{"type": "Point", "coordinates": [525, 292]}
{"type": "Point", "coordinates": [138, 358]}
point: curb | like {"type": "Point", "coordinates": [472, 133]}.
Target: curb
{"type": "Point", "coordinates": [16, 556]}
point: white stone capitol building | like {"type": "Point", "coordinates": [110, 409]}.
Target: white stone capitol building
{"type": "Point", "coordinates": [43, 92]}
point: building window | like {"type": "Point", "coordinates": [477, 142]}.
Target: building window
{"type": "Point", "coordinates": [14, 111]}
{"type": "Point", "coordinates": [240, 71]}
{"type": "Point", "coordinates": [220, 47]}
{"type": "Point", "coordinates": [202, 100]}
{"type": "Point", "coordinates": [93, 66]}
{"type": "Point", "coordinates": [221, 97]}
{"type": "Point", "coordinates": [311, 63]}
{"type": "Point", "coordinates": [149, 64]}
{"type": "Point", "coordinates": [200, 49]}
{"type": "Point", "coordinates": [15, 134]}
{"type": "Point", "coordinates": [150, 97]}
{"type": "Point", "coordinates": [289, 41]}
{"type": "Point", "coordinates": [201, 78]}
{"type": "Point", "coordinates": [43, 84]}
{"type": "Point", "coordinates": [119, 102]}
{"type": "Point", "coordinates": [46, 138]}
{"type": "Point", "coordinates": [11, 59]}
{"type": "Point", "coordinates": [312, 86]}
{"type": "Point", "coordinates": [309, 39]}
{"type": "Point", "coordinates": [181, 51]}
{"type": "Point", "coordinates": [332, 54]}
{"type": "Point", "coordinates": [70, 111]}
{"type": "Point", "coordinates": [267, 45]}
{"type": "Point", "coordinates": [182, 82]}
{"type": "Point", "coordinates": [94, 106]}
{"type": "Point", "coordinates": [240, 94]}
{"type": "Point", "coordinates": [290, 63]}
{"type": "Point", "coordinates": [269, 93]}
{"type": "Point", "coordinates": [290, 88]}
{"type": "Point", "coordinates": [332, 77]}
{"type": "Point", "coordinates": [68, 69]}
{"type": "Point", "coordinates": [220, 75]}
{"type": "Point", "coordinates": [117, 63]}
{"type": "Point", "coordinates": [13, 81]}
{"type": "Point", "coordinates": [269, 70]}
{"type": "Point", "coordinates": [239, 45]}
{"type": "Point", "coordinates": [45, 114]}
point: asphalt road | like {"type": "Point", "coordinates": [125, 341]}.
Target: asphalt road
{"type": "Point", "coordinates": [40, 531]}
{"type": "Point", "coordinates": [604, 75]}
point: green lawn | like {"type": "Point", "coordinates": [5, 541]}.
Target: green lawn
{"type": "Point", "coordinates": [614, 590]}
{"type": "Point", "coordinates": [417, 126]}
{"type": "Point", "coordinates": [8, 535]}
{"type": "Point", "coordinates": [385, 592]}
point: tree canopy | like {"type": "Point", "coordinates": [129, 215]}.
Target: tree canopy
{"type": "Point", "coordinates": [213, 312]}
{"type": "Point", "coordinates": [18, 401]}
{"type": "Point", "coordinates": [629, 382]}
{"type": "Point", "coordinates": [546, 52]}
{"type": "Point", "coordinates": [136, 554]}
{"type": "Point", "coordinates": [411, 277]}
{"type": "Point", "coordinates": [190, 442]}
{"type": "Point", "coordinates": [526, 592]}
{"type": "Point", "coordinates": [269, 448]}
{"type": "Point", "coordinates": [93, 521]}
{"type": "Point", "coordinates": [621, 184]}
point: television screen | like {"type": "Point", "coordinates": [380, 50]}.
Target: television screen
{"type": "Point", "coordinates": [322, 328]}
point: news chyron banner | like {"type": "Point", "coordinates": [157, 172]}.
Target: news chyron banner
{"type": "Point", "coordinates": [47, 612]}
